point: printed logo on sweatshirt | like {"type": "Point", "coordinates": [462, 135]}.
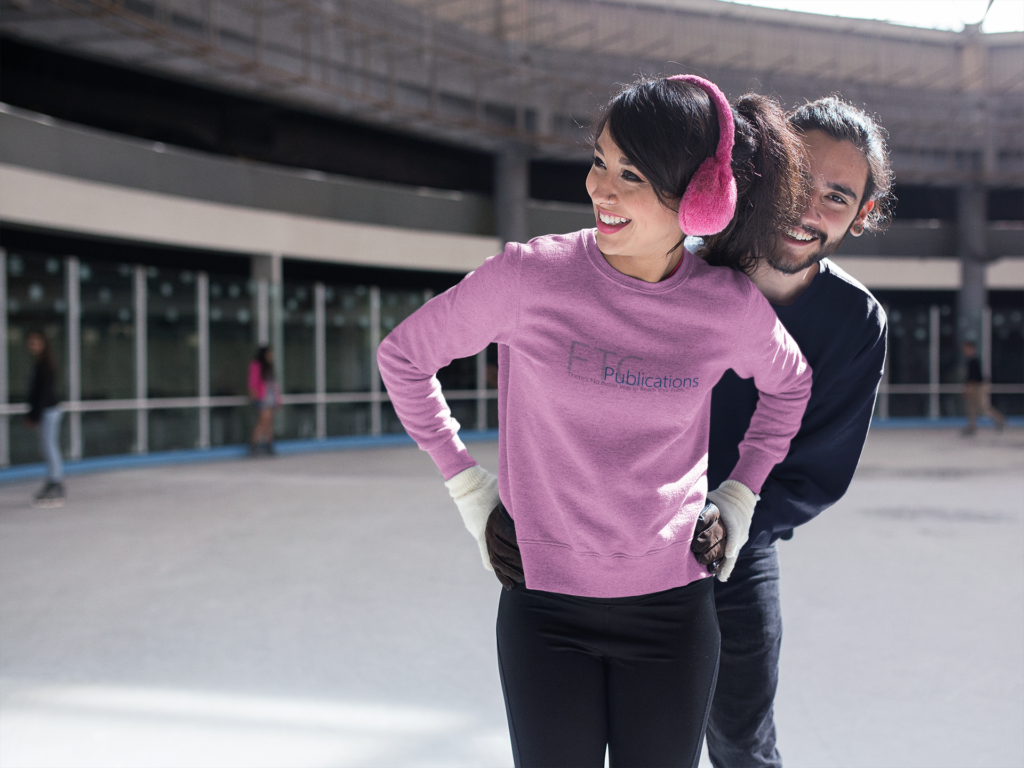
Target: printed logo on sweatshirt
{"type": "Point", "coordinates": [588, 362]}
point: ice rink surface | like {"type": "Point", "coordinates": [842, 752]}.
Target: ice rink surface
{"type": "Point", "coordinates": [330, 610]}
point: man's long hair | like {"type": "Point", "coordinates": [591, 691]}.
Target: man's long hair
{"type": "Point", "coordinates": [768, 161]}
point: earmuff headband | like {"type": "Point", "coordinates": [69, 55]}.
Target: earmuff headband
{"type": "Point", "coordinates": [709, 201]}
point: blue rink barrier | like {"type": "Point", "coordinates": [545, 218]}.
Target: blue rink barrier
{"type": "Point", "coordinates": [356, 442]}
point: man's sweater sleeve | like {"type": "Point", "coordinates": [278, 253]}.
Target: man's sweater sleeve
{"type": "Point", "coordinates": [481, 309]}
{"type": "Point", "coordinates": [783, 379]}
{"type": "Point", "coordinates": [824, 455]}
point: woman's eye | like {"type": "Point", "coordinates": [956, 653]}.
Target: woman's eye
{"type": "Point", "coordinates": [837, 199]}
{"type": "Point", "coordinates": [630, 176]}
{"type": "Point", "coordinates": [598, 162]}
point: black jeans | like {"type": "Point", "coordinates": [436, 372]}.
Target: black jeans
{"type": "Point", "coordinates": [741, 729]}
{"type": "Point", "coordinates": [633, 673]}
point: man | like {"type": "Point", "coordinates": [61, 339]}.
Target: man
{"type": "Point", "coordinates": [976, 393]}
{"type": "Point", "coordinates": [841, 330]}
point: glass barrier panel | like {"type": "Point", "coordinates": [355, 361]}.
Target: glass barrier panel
{"type": "Point", "coordinates": [347, 338]}
{"type": "Point", "coordinates": [231, 425]}
{"type": "Point", "coordinates": [299, 318]}
{"type": "Point", "coordinates": [232, 336]}
{"type": "Point", "coordinates": [348, 419]}
{"type": "Point", "coordinates": [108, 338]}
{"type": "Point", "coordinates": [107, 433]}
{"type": "Point", "coordinates": [173, 429]}
{"type": "Point", "coordinates": [172, 335]}
{"type": "Point", "coordinates": [36, 301]}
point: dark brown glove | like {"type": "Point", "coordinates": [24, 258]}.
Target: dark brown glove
{"type": "Point", "coordinates": [503, 549]}
{"type": "Point", "coordinates": [708, 544]}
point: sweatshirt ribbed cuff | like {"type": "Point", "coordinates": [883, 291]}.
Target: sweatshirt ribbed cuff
{"type": "Point", "coordinates": [467, 481]}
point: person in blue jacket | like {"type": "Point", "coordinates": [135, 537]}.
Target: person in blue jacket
{"type": "Point", "coordinates": [841, 329]}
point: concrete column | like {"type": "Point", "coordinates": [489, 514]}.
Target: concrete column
{"type": "Point", "coordinates": [511, 191]}
{"type": "Point", "coordinates": [971, 248]}
{"type": "Point", "coordinates": [5, 445]}
{"type": "Point", "coordinates": [74, 329]}
{"type": "Point", "coordinates": [141, 370]}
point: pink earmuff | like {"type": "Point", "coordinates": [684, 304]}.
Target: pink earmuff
{"type": "Point", "coordinates": [709, 201]}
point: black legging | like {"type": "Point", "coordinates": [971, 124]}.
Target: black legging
{"type": "Point", "coordinates": [633, 673]}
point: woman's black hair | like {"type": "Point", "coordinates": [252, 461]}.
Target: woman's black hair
{"type": "Point", "coordinates": [266, 366]}
{"type": "Point", "coordinates": [768, 162]}
{"type": "Point", "coordinates": [667, 128]}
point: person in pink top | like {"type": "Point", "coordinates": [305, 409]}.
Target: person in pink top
{"type": "Point", "coordinates": [609, 344]}
{"type": "Point", "coordinates": [266, 398]}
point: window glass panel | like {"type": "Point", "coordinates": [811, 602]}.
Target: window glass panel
{"type": "Point", "coordinates": [173, 341]}
{"type": "Point", "coordinates": [25, 448]}
{"type": "Point", "coordinates": [108, 432]}
{"type": "Point", "coordinates": [36, 301]}
{"type": "Point", "coordinates": [389, 421]}
{"type": "Point", "coordinates": [949, 348]}
{"type": "Point", "coordinates": [232, 337]}
{"type": "Point", "coordinates": [908, 345]}
{"type": "Point", "coordinates": [1008, 344]}
{"type": "Point", "coordinates": [173, 428]}
{"type": "Point", "coordinates": [348, 419]}
{"type": "Point", "coordinates": [347, 337]}
{"type": "Point", "coordinates": [299, 318]}
{"type": "Point", "coordinates": [108, 337]}
{"type": "Point", "coordinates": [296, 422]}
{"type": "Point", "coordinates": [231, 426]}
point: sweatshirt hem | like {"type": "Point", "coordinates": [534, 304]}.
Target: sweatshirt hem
{"type": "Point", "coordinates": [555, 567]}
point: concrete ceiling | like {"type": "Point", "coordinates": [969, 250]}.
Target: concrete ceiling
{"type": "Point", "coordinates": [488, 72]}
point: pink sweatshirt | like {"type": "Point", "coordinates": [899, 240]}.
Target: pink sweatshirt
{"type": "Point", "coordinates": [604, 396]}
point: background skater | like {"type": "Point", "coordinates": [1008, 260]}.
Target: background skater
{"type": "Point", "coordinates": [977, 393]}
{"type": "Point", "coordinates": [45, 414]}
{"type": "Point", "coordinates": [841, 329]}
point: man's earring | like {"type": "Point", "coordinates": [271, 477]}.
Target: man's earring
{"type": "Point", "coordinates": [857, 229]}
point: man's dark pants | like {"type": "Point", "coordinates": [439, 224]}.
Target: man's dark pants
{"type": "Point", "coordinates": [741, 728]}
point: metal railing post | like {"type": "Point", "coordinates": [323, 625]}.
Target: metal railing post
{"type": "Point", "coordinates": [5, 430]}
{"type": "Point", "coordinates": [141, 363]}
{"type": "Point", "coordinates": [74, 330]}
{"type": "Point", "coordinates": [986, 343]}
{"type": "Point", "coordinates": [203, 321]}
{"type": "Point", "coordinates": [933, 362]}
{"type": "Point", "coordinates": [320, 312]}
{"type": "Point", "coordinates": [375, 383]}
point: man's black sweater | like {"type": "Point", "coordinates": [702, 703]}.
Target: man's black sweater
{"type": "Point", "coordinates": [840, 328]}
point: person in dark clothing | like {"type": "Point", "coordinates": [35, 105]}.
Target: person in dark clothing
{"type": "Point", "coordinates": [977, 392]}
{"type": "Point", "coordinates": [841, 330]}
{"type": "Point", "coordinates": [44, 415]}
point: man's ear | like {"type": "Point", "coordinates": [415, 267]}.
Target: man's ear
{"type": "Point", "coordinates": [857, 226]}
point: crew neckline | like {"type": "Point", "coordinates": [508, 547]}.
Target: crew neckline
{"type": "Point", "coordinates": [809, 295]}
{"type": "Point", "coordinates": [635, 283]}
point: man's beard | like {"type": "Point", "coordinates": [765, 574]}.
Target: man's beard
{"type": "Point", "coordinates": [776, 258]}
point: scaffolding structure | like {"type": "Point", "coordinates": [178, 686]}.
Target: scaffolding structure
{"type": "Point", "coordinates": [532, 73]}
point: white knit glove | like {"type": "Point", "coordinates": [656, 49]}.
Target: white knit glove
{"type": "Point", "coordinates": [736, 504]}
{"type": "Point", "coordinates": [475, 491]}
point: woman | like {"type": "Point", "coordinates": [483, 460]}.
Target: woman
{"type": "Point", "coordinates": [609, 344]}
{"type": "Point", "coordinates": [44, 415]}
{"type": "Point", "coordinates": [266, 398]}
